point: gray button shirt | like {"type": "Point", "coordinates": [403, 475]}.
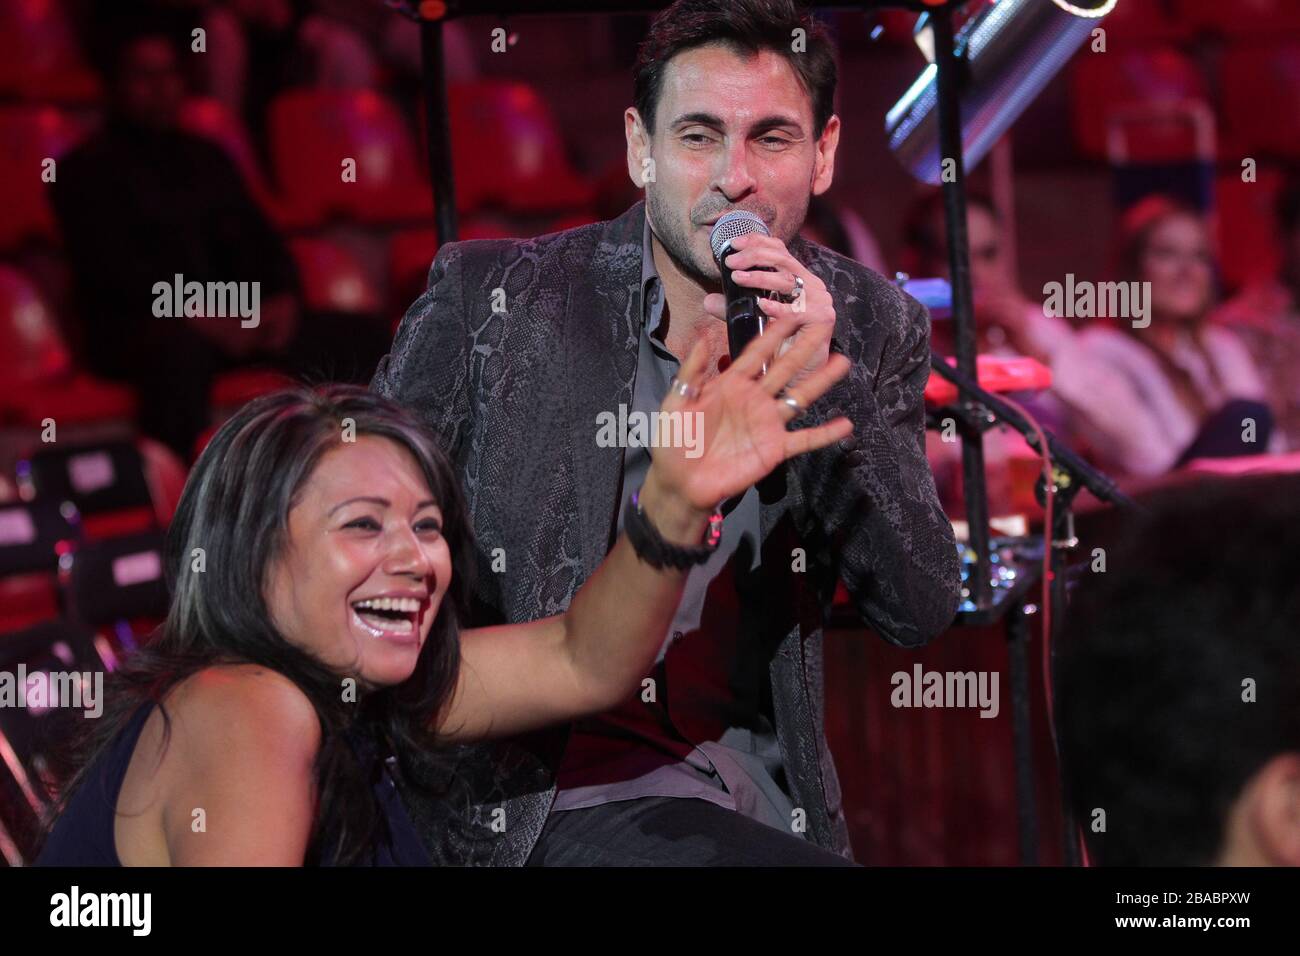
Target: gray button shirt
{"type": "Point", "coordinates": [703, 728]}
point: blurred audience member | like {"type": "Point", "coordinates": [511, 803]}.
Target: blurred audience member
{"type": "Point", "coordinates": [1007, 325]}
{"type": "Point", "coordinates": [1179, 677]}
{"type": "Point", "coordinates": [1266, 315]}
{"type": "Point", "coordinates": [142, 202]}
{"type": "Point", "coordinates": [1149, 399]}
{"type": "Point", "coordinates": [253, 52]}
{"type": "Point", "coordinates": [1007, 322]}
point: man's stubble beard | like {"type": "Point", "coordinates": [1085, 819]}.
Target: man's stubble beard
{"type": "Point", "coordinates": [667, 229]}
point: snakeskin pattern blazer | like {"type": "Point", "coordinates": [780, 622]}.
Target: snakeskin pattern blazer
{"type": "Point", "coordinates": [510, 355]}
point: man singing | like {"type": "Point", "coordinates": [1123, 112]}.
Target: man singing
{"type": "Point", "coordinates": [517, 352]}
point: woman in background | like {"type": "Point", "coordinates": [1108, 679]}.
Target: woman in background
{"type": "Point", "coordinates": [1147, 400]}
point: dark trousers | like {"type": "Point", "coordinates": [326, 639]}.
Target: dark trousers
{"type": "Point", "coordinates": [670, 831]}
{"type": "Point", "coordinates": [1220, 435]}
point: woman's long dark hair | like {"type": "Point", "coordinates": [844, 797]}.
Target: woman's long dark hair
{"type": "Point", "coordinates": [233, 517]}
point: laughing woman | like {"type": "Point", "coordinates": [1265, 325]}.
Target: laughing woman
{"type": "Point", "coordinates": [317, 566]}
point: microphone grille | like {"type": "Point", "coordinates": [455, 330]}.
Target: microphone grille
{"type": "Point", "coordinates": [733, 224]}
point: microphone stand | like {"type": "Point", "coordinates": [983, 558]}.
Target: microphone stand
{"type": "Point", "coordinates": [1077, 473]}
{"type": "Point", "coordinates": [977, 410]}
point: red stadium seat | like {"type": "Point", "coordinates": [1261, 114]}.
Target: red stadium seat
{"type": "Point", "coordinates": [508, 152]}
{"type": "Point", "coordinates": [116, 585]}
{"type": "Point", "coordinates": [1147, 22]}
{"type": "Point", "coordinates": [39, 54]}
{"type": "Point", "coordinates": [333, 279]}
{"type": "Point", "coordinates": [1261, 98]}
{"type": "Point", "coordinates": [209, 118]}
{"type": "Point", "coordinates": [1248, 247]}
{"type": "Point", "coordinates": [1166, 148]}
{"type": "Point", "coordinates": [31, 347]}
{"type": "Point", "coordinates": [37, 378]}
{"type": "Point", "coordinates": [166, 476]}
{"type": "Point", "coordinates": [313, 132]}
{"type": "Point", "coordinates": [151, 474]}
{"type": "Point", "coordinates": [411, 252]}
{"type": "Point", "coordinates": [28, 136]}
{"type": "Point", "coordinates": [1164, 133]}
{"type": "Point", "coordinates": [896, 26]}
{"type": "Point", "coordinates": [232, 390]}
{"type": "Point", "coordinates": [108, 482]}
{"type": "Point", "coordinates": [33, 538]}
{"type": "Point", "coordinates": [27, 599]}
{"type": "Point", "coordinates": [1104, 84]}
{"type": "Point", "coordinates": [202, 441]}
{"type": "Point", "coordinates": [572, 221]}
{"type": "Point", "coordinates": [79, 400]}
{"type": "Point", "coordinates": [487, 227]}
{"type": "Point", "coordinates": [1242, 18]}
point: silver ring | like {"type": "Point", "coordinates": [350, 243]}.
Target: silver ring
{"type": "Point", "coordinates": [684, 389]}
{"type": "Point", "coordinates": [798, 288]}
{"type": "Point", "coordinates": [793, 403]}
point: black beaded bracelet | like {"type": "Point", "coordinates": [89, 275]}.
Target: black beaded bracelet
{"type": "Point", "coordinates": [651, 548]}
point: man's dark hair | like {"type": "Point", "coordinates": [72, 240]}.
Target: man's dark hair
{"type": "Point", "coordinates": [1199, 597]}
{"type": "Point", "coordinates": [747, 26]}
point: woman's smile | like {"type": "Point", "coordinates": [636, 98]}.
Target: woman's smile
{"type": "Point", "coordinates": [391, 617]}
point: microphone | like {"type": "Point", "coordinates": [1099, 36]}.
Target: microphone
{"type": "Point", "coordinates": [745, 320]}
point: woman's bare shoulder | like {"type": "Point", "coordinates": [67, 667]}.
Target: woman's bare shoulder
{"type": "Point", "coordinates": [226, 733]}
{"type": "Point", "coordinates": [243, 706]}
